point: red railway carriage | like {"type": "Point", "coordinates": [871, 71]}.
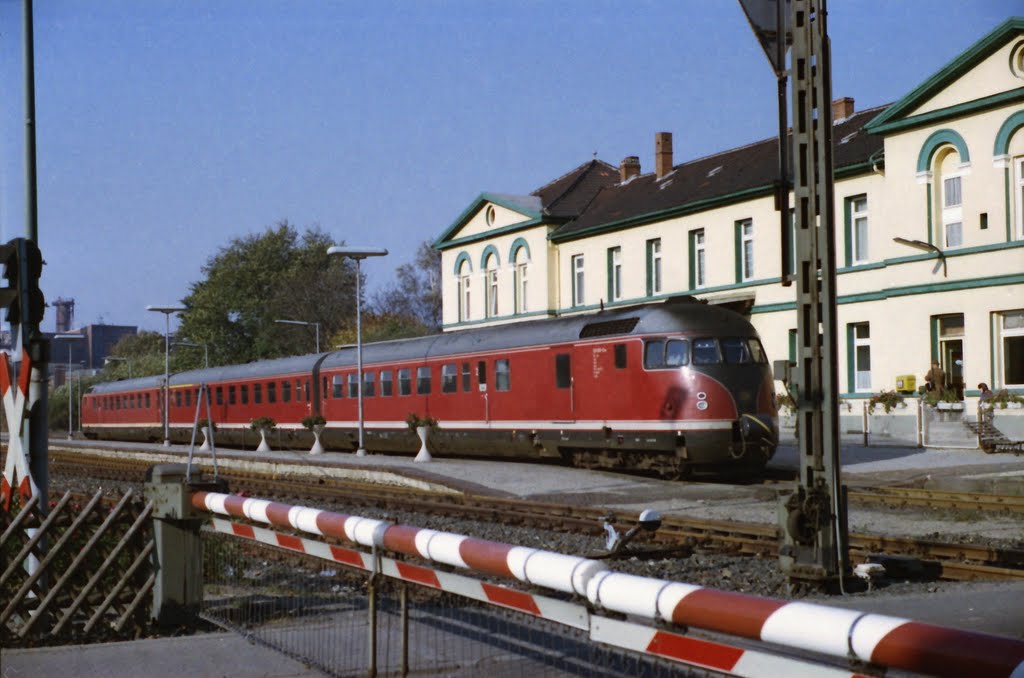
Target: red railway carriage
{"type": "Point", "coordinates": [669, 387]}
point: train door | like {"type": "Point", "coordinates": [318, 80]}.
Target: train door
{"type": "Point", "coordinates": [563, 404]}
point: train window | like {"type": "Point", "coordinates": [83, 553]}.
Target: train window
{"type": "Point", "coordinates": [353, 386]}
{"type": "Point", "coordinates": [449, 378]}
{"type": "Point", "coordinates": [385, 383]}
{"type": "Point", "coordinates": [757, 351]}
{"type": "Point", "coordinates": [147, 400]}
{"type": "Point", "coordinates": [257, 394]}
{"type": "Point", "coordinates": [188, 399]}
{"type": "Point", "coordinates": [706, 352]}
{"type": "Point", "coordinates": [298, 390]}
{"type": "Point", "coordinates": [307, 390]}
{"type": "Point", "coordinates": [177, 398]}
{"type": "Point", "coordinates": [654, 354]}
{"type": "Point", "coordinates": [563, 370]}
{"type": "Point", "coordinates": [481, 372]}
{"type": "Point", "coordinates": [220, 396]}
{"type": "Point", "coordinates": [737, 351]}
{"type": "Point", "coordinates": [502, 375]}
{"type": "Point", "coordinates": [423, 380]}
{"type": "Point", "coordinates": [368, 384]}
{"type": "Point", "coordinates": [271, 392]}
{"type": "Point", "coordinates": [286, 391]}
{"type": "Point", "coordinates": [465, 377]}
{"type": "Point", "coordinates": [404, 381]}
{"type": "Point", "coordinates": [677, 353]}
{"type": "Point", "coordinates": [337, 386]}
{"type": "Point", "coordinates": [245, 394]}
{"type": "Point", "coordinates": [323, 387]}
{"type": "Point", "coordinates": [620, 356]}
{"type": "Point", "coordinates": [131, 401]}
{"type": "Point", "coordinates": [231, 395]}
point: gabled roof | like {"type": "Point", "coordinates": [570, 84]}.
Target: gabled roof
{"type": "Point", "coordinates": [893, 116]}
{"type": "Point", "coordinates": [568, 195]}
{"type": "Point", "coordinates": [555, 202]}
{"type": "Point", "coordinates": [737, 174]}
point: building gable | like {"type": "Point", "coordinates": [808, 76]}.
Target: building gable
{"type": "Point", "coordinates": [989, 74]}
{"type": "Point", "coordinates": [489, 215]}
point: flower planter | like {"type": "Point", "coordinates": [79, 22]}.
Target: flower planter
{"type": "Point", "coordinates": [264, 447]}
{"type": "Point", "coordinates": [317, 448]}
{"type": "Point", "coordinates": [205, 447]}
{"type": "Point", "coordinates": [424, 454]}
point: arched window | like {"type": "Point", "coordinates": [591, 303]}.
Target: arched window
{"type": "Point", "coordinates": [464, 275]}
{"type": "Point", "coordinates": [1009, 154]}
{"type": "Point", "coordinates": [943, 163]}
{"type": "Point", "coordinates": [491, 286]}
{"type": "Point", "coordinates": [520, 261]}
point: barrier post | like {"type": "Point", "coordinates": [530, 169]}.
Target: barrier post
{"type": "Point", "coordinates": [864, 424]}
{"type": "Point", "coordinates": [404, 602]}
{"type": "Point", "coordinates": [178, 591]}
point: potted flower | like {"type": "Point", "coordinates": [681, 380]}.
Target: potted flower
{"type": "Point", "coordinates": [889, 400]}
{"type": "Point", "coordinates": [421, 426]}
{"type": "Point", "coordinates": [316, 424]}
{"type": "Point", "coordinates": [263, 426]}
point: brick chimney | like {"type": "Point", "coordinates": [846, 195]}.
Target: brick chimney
{"type": "Point", "coordinates": [842, 108]}
{"type": "Point", "coordinates": [662, 153]}
{"type": "Point", "coordinates": [629, 169]}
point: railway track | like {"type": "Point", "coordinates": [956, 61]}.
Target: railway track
{"type": "Point", "coordinates": [957, 561]}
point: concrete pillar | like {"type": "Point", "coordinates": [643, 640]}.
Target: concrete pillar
{"type": "Point", "coordinates": [178, 592]}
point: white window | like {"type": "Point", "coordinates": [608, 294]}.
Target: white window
{"type": "Point", "coordinates": [1018, 169]}
{"type": "Point", "coordinates": [463, 292]}
{"type": "Point", "coordinates": [522, 286]}
{"type": "Point", "coordinates": [862, 356]}
{"type": "Point", "coordinates": [491, 286]}
{"type": "Point", "coordinates": [747, 250]}
{"type": "Point", "coordinates": [859, 219]}
{"type": "Point", "coordinates": [699, 260]}
{"type": "Point", "coordinates": [615, 284]}
{"type": "Point", "coordinates": [578, 298]}
{"type": "Point", "coordinates": [655, 266]}
{"type": "Point", "coordinates": [1011, 349]}
{"type": "Point", "coordinates": [952, 212]}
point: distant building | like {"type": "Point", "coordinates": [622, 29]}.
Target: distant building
{"type": "Point", "coordinates": [88, 354]}
{"type": "Point", "coordinates": [940, 170]}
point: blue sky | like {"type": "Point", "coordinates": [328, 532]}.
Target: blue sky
{"type": "Point", "coordinates": [167, 127]}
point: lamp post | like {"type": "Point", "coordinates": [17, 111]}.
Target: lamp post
{"type": "Point", "coordinates": [120, 360]}
{"type": "Point", "coordinates": [205, 347]}
{"type": "Point", "coordinates": [308, 324]}
{"type": "Point", "coordinates": [67, 380]}
{"type": "Point", "coordinates": [167, 311]}
{"type": "Point", "coordinates": [358, 254]}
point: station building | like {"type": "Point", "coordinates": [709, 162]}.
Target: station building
{"type": "Point", "coordinates": [929, 195]}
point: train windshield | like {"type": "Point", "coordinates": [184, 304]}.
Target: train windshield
{"type": "Point", "coordinates": [665, 354]}
{"type": "Point", "coordinates": [670, 353]}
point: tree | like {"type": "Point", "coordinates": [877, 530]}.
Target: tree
{"type": "Point", "coordinates": [145, 352]}
{"type": "Point", "coordinates": [415, 293]}
{"type": "Point", "coordinates": [260, 278]}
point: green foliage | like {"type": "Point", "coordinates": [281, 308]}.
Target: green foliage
{"type": "Point", "coordinates": [415, 293]}
{"type": "Point", "coordinates": [887, 399]}
{"type": "Point", "coordinates": [313, 420]}
{"type": "Point", "coordinates": [57, 402]}
{"type": "Point", "coordinates": [947, 395]}
{"type": "Point", "coordinates": [1004, 398]}
{"type": "Point", "coordinates": [414, 421]}
{"type": "Point", "coordinates": [786, 401]}
{"type": "Point", "coordinates": [259, 278]}
{"type": "Point", "coordinates": [263, 423]}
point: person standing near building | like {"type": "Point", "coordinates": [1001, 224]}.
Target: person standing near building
{"type": "Point", "coordinates": [935, 380]}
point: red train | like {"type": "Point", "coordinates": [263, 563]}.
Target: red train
{"type": "Point", "coordinates": [670, 388]}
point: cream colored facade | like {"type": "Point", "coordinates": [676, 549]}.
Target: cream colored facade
{"type": "Point", "coordinates": [948, 178]}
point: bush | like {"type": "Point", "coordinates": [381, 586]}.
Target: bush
{"type": "Point", "coordinates": [208, 423]}
{"type": "Point", "coordinates": [261, 423]}
{"type": "Point", "coordinates": [1004, 398]}
{"type": "Point", "coordinates": [312, 421]}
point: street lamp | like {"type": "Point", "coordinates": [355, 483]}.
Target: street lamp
{"type": "Point", "coordinates": [308, 324]}
{"type": "Point", "coordinates": [67, 381]}
{"type": "Point", "coordinates": [358, 254]}
{"type": "Point", "coordinates": [205, 347]}
{"type": "Point", "coordinates": [167, 311]}
{"type": "Point", "coordinates": [111, 358]}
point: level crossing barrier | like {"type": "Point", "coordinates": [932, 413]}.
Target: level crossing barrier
{"type": "Point", "coordinates": [650, 616]}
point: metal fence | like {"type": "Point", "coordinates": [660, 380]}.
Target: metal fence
{"type": "Point", "coordinates": [345, 621]}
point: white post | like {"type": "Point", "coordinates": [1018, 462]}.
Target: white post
{"type": "Point", "coordinates": [424, 454]}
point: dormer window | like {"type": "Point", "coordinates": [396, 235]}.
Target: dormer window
{"type": "Point", "coordinates": [489, 215]}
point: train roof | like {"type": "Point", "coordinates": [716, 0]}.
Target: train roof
{"type": "Point", "coordinates": [677, 314]}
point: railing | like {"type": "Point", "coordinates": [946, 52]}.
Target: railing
{"type": "Point", "coordinates": [585, 607]}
